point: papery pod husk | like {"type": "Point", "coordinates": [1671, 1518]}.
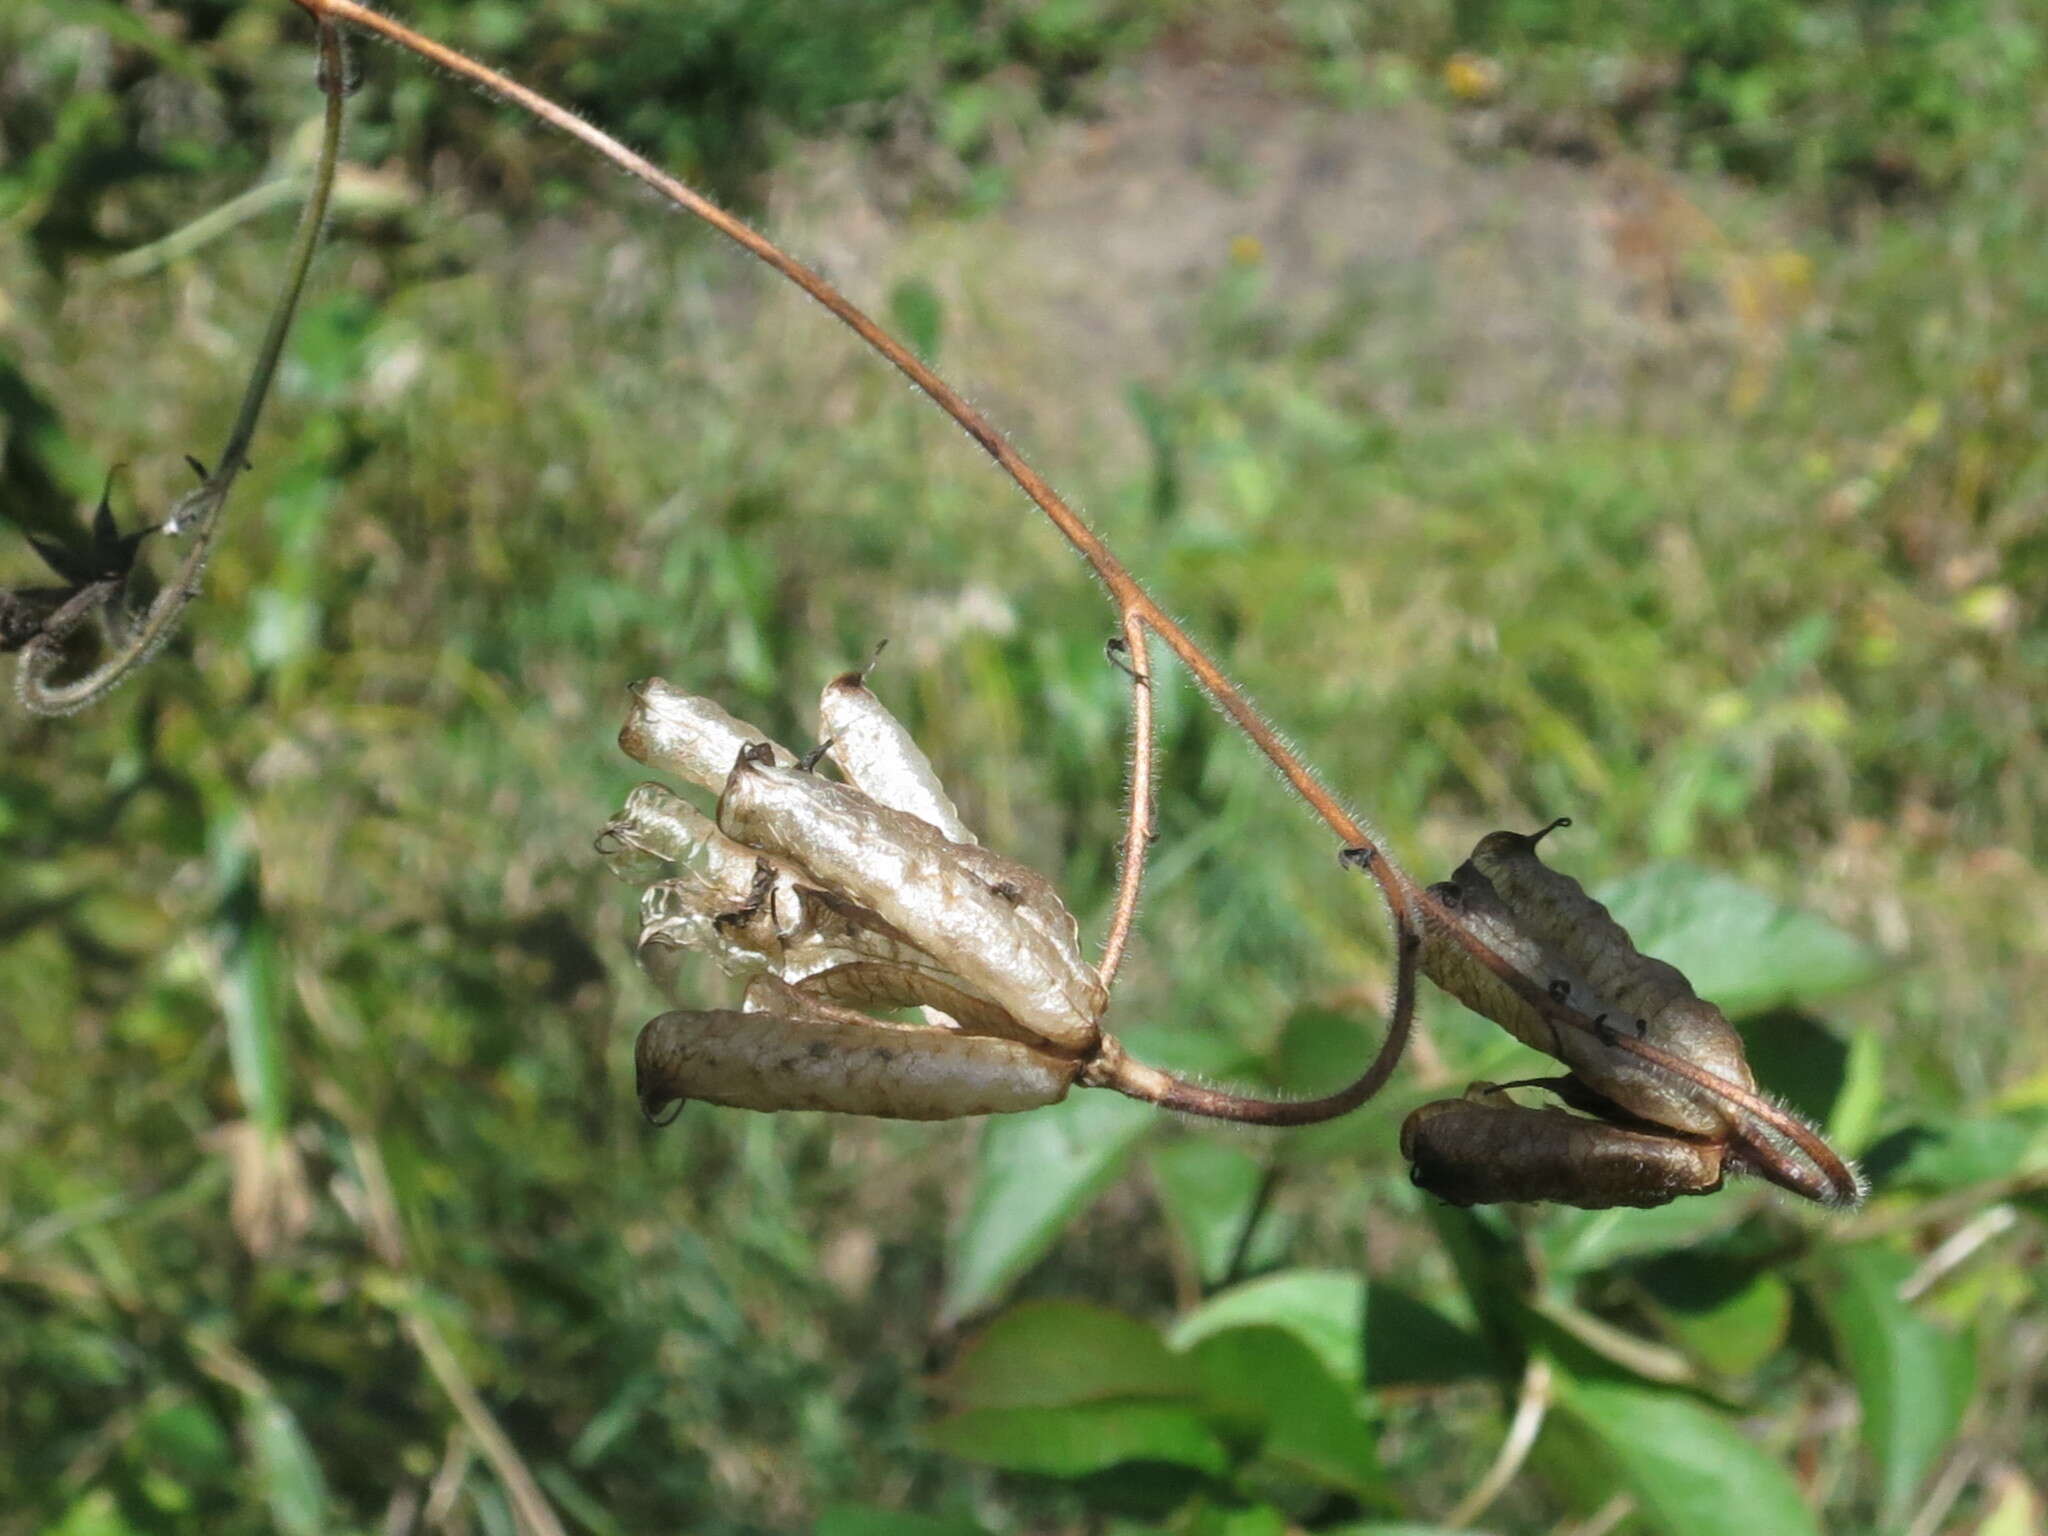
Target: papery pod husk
{"type": "Point", "coordinates": [687, 735]}
{"type": "Point", "coordinates": [871, 985]}
{"type": "Point", "coordinates": [1546, 925]}
{"type": "Point", "coordinates": [988, 920]}
{"type": "Point", "coordinates": [686, 916]}
{"type": "Point", "coordinates": [801, 1057]}
{"type": "Point", "coordinates": [657, 827]}
{"type": "Point", "coordinates": [1488, 1150]}
{"type": "Point", "coordinates": [880, 759]}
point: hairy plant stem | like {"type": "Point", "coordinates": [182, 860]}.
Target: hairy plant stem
{"type": "Point", "coordinates": [201, 510]}
{"type": "Point", "coordinates": [1407, 901]}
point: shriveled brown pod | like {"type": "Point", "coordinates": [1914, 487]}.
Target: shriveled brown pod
{"type": "Point", "coordinates": [1607, 974]}
{"type": "Point", "coordinates": [962, 904]}
{"type": "Point", "coordinates": [687, 735]}
{"type": "Point", "coordinates": [878, 756]}
{"type": "Point", "coordinates": [799, 1056]}
{"type": "Point", "coordinates": [1488, 1150]}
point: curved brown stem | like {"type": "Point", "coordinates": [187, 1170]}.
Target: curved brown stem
{"type": "Point", "coordinates": [1138, 814]}
{"type": "Point", "coordinates": [1111, 1068]}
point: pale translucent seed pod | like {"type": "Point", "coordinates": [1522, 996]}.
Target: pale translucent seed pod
{"type": "Point", "coordinates": [875, 985]}
{"type": "Point", "coordinates": [686, 916]}
{"type": "Point", "coordinates": [805, 1059]}
{"type": "Point", "coordinates": [687, 735]}
{"type": "Point", "coordinates": [658, 827]}
{"type": "Point", "coordinates": [981, 917]}
{"type": "Point", "coordinates": [1486, 1149]}
{"type": "Point", "coordinates": [878, 757]}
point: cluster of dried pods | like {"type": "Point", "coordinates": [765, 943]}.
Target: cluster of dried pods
{"type": "Point", "coordinates": [833, 900]}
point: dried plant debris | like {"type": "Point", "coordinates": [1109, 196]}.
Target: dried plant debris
{"type": "Point", "coordinates": [834, 902]}
{"type": "Point", "coordinates": [1659, 1069]}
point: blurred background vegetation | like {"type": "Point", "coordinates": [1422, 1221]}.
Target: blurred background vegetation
{"type": "Point", "coordinates": [1547, 406]}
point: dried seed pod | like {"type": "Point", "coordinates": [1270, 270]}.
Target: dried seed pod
{"type": "Point", "coordinates": [988, 920]}
{"type": "Point", "coordinates": [1486, 1149]}
{"type": "Point", "coordinates": [1609, 975]}
{"type": "Point", "coordinates": [687, 735]}
{"type": "Point", "coordinates": [879, 758]}
{"type": "Point", "coordinates": [875, 985]}
{"type": "Point", "coordinates": [658, 827]}
{"type": "Point", "coordinates": [686, 916]}
{"type": "Point", "coordinates": [1563, 941]}
{"type": "Point", "coordinates": [802, 1057]}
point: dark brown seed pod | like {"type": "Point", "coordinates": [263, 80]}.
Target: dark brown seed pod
{"type": "Point", "coordinates": [800, 1058]}
{"type": "Point", "coordinates": [1489, 1150]}
{"type": "Point", "coordinates": [1563, 941]}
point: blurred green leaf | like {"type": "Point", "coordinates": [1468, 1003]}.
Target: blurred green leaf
{"type": "Point", "coordinates": [284, 1467]}
{"type": "Point", "coordinates": [1081, 1439]}
{"type": "Point", "coordinates": [1959, 1152]}
{"type": "Point", "coordinates": [918, 315]}
{"type": "Point", "coordinates": [1409, 1343]}
{"type": "Point", "coordinates": [1035, 1173]}
{"type": "Point", "coordinates": [1805, 1063]}
{"type": "Point", "coordinates": [1208, 1189]}
{"type": "Point", "coordinates": [1691, 1470]}
{"type": "Point", "coordinates": [1577, 1242]}
{"type": "Point", "coordinates": [1323, 1308]}
{"type": "Point", "coordinates": [1912, 1379]}
{"type": "Point", "coordinates": [1267, 1383]}
{"type": "Point", "coordinates": [1741, 948]}
{"type": "Point", "coordinates": [1729, 1316]}
{"type": "Point", "coordinates": [866, 1520]}
{"type": "Point", "coordinates": [1047, 1354]}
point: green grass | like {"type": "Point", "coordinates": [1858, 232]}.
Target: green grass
{"type": "Point", "coordinates": [326, 867]}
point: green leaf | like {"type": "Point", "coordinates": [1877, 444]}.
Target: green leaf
{"type": "Point", "coordinates": [1268, 1384]}
{"type": "Point", "coordinates": [1048, 1354]}
{"type": "Point", "coordinates": [1411, 1344]}
{"type": "Point", "coordinates": [1080, 1439]}
{"type": "Point", "coordinates": [1730, 1317]}
{"type": "Point", "coordinates": [1036, 1171]}
{"type": "Point", "coordinates": [1253, 1520]}
{"type": "Point", "coordinates": [1576, 1242]}
{"type": "Point", "coordinates": [1209, 1189]}
{"type": "Point", "coordinates": [285, 1469]}
{"type": "Point", "coordinates": [1691, 1471]}
{"type": "Point", "coordinates": [919, 316]}
{"type": "Point", "coordinates": [1971, 1150]}
{"type": "Point", "coordinates": [866, 1520]}
{"type": "Point", "coordinates": [1743, 949]}
{"type": "Point", "coordinates": [1912, 1379]}
{"type": "Point", "coordinates": [1324, 1308]}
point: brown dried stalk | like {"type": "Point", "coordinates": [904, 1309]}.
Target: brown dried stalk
{"type": "Point", "coordinates": [1762, 1129]}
